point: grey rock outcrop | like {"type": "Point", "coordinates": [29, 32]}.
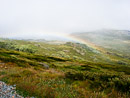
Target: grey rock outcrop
{"type": "Point", "coordinates": [45, 65]}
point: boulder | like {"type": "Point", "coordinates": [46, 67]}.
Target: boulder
{"type": "Point", "coordinates": [45, 65]}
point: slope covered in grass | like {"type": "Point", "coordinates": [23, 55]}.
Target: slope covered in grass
{"type": "Point", "coordinates": [115, 40]}
{"type": "Point", "coordinates": [67, 77]}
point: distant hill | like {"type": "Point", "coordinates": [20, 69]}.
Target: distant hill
{"type": "Point", "coordinates": [115, 40]}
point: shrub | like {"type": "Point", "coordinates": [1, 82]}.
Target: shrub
{"type": "Point", "coordinates": [102, 80]}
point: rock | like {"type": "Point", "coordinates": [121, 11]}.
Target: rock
{"type": "Point", "coordinates": [45, 65]}
{"type": "Point", "coordinates": [9, 91]}
{"type": "Point", "coordinates": [5, 67]}
{"type": "Point", "coordinates": [2, 63]}
{"type": "Point", "coordinates": [66, 50]}
{"type": "Point", "coordinates": [6, 91]}
{"type": "Point", "coordinates": [82, 53]}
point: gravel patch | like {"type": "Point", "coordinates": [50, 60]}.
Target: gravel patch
{"type": "Point", "coordinates": [9, 91]}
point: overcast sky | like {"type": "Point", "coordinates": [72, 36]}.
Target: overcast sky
{"type": "Point", "coordinates": [31, 18]}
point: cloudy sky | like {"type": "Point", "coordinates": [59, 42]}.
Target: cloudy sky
{"type": "Point", "coordinates": [43, 18]}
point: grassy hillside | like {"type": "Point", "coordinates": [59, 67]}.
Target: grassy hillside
{"type": "Point", "coordinates": [75, 70]}
{"type": "Point", "coordinates": [114, 40]}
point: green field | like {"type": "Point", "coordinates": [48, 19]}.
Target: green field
{"type": "Point", "coordinates": [75, 70]}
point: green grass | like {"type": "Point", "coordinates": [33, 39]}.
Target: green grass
{"type": "Point", "coordinates": [67, 77]}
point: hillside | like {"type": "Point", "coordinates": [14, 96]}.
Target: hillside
{"type": "Point", "coordinates": [113, 40]}
{"type": "Point", "coordinates": [65, 70]}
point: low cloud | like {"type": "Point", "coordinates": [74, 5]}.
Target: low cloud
{"type": "Point", "coordinates": [31, 18]}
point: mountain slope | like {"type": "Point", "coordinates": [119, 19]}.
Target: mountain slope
{"type": "Point", "coordinates": [66, 50]}
{"type": "Point", "coordinates": [114, 40]}
{"type": "Point", "coordinates": [70, 70]}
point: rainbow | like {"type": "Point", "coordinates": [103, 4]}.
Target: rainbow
{"type": "Point", "coordinates": [85, 41]}
{"type": "Point", "coordinates": [69, 37]}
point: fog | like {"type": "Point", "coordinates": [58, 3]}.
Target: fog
{"type": "Point", "coordinates": [48, 18]}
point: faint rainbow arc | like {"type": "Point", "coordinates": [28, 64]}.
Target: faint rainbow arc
{"type": "Point", "coordinates": [88, 43]}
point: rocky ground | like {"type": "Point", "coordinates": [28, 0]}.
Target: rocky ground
{"type": "Point", "coordinates": [8, 91]}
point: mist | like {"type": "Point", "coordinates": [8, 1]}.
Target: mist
{"type": "Point", "coordinates": [56, 18]}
